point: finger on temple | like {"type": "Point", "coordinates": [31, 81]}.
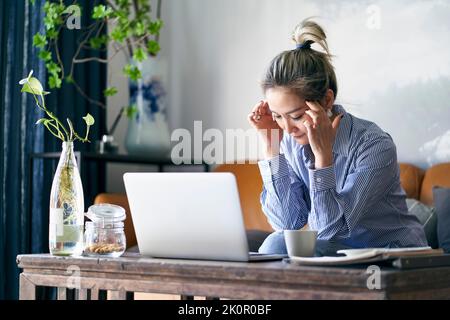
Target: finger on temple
{"type": "Point", "coordinates": [314, 105]}
{"type": "Point", "coordinates": [312, 114]}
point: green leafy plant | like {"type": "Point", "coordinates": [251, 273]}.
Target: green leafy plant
{"type": "Point", "coordinates": [133, 31]}
{"type": "Point", "coordinates": [51, 122]}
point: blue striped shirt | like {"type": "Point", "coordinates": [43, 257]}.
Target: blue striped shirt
{"type": "Point", "coordinates": [357, 201]}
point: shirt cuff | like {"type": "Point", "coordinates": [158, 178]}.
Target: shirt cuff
{"type": "Point", "coordinates": [274, 168]}
{"type": "Point", "coordinates": [322, 179]}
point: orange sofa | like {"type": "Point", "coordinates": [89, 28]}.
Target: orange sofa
{"type": "Point", "coordinates": [416, 182]}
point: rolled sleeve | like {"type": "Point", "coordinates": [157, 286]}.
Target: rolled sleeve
{"type": "Point", "coordinates": [273, 169]}
{"type": "Point", "coordinates": [322, 179]}
{"type": "Point", "coordinates": [282, 198]}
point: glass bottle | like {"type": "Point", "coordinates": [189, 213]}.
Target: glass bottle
{"type": "Point", "coordinates": [66, 206]}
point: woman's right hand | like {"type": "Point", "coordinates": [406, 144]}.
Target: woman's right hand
{"type": "Point", "coordinates": [261, 119]}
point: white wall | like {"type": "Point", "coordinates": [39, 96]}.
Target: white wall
{"type": "Point", "coordinates": [115, 103]}
{"type": "Point", "coordinates": [392, 62]}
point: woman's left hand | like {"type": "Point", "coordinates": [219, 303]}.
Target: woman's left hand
{"type": "Point", "coordinates": [321, 133]}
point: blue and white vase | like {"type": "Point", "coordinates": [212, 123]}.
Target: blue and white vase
{"type": "Point", "coordinates": [148, 130]}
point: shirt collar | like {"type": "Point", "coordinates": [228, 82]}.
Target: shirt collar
{"type": "Point", "coordinates": [341, 142]}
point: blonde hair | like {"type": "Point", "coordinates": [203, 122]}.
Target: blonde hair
{"type": "Point", "coordinates": [304, 71]}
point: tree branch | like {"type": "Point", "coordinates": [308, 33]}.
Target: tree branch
{"type": "Point", "coordinates": [82, 44]}
{"type": "Point", "coordinates": [90, 59]}
{"type": "Point", "coordinates": [116, 51]}
{"type": "Point", "coordinates": [136, 8]}
{"type": "Point", "coordinates": [158, 16]}
{"type": "Point", "coordinates": [130, 47]}
{"type": "Point", "coordinates": [58, 57]}
{"type": "Point", "coordinates": [100, 28]}
{"type": "Point", "coordinates": [98, 103]}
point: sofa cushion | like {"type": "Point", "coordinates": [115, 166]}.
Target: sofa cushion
{"type": "Point", "coordinates": [437, 175]}
{"type": "Point", "coordinates": [428, 219]}
{"type": "Point", "coordinates": [441, 198]}
{"type": "Point", "coordinates": [411, 179]}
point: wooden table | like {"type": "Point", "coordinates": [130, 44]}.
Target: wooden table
{"type": "Point", "coordinates": [256, 280]}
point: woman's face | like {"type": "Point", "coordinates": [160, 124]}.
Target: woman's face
{"type": "Point", "coordinates": [288, 110]}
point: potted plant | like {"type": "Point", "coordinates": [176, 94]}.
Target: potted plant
{"type": "Point", "coordinates": [133, 31]}
{"type": "Point", "coordinates": [66, 197]}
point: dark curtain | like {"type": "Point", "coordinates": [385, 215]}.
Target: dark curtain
{"type": "Point", "coordinates": [18, 134]}
{"type": "Point", "coordinates": [69, 103]}
{"type": "Point", "coordinates": [24, 206]}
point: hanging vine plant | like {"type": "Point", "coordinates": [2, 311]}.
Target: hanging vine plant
{"type": "Point", "coordinates": [133, 31]}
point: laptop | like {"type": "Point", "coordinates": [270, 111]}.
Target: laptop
{"type": "Point", "coordinates": [189, 216]}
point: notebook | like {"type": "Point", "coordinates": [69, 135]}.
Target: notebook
{"type": "Point", "coordinates": [371, 255]}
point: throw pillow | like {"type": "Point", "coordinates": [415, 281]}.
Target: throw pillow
{"type": "Point", "coordinates": [441, 197]}
{"type": "Point", "coordinates": [428, 219]}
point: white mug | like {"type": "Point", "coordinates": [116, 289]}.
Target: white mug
{"type": "Point", "coordinates": [300, 243]}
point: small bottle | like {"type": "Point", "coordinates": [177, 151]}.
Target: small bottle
{"type": "Point", "coordinates": [104, 235]}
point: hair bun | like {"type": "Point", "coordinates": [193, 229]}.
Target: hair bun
{"type": "Point", "coordinates": [308, 32]}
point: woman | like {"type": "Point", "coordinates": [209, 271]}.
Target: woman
{"type": "Point", "coordinates": [324, 167]}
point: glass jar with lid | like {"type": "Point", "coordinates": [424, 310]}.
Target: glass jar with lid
{"type": "Point", "coordinates": [104, 235]}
